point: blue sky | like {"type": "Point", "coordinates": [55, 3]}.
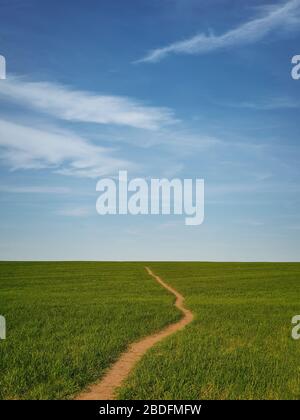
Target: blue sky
{"type": "Point", "coordinates": [162, 88]}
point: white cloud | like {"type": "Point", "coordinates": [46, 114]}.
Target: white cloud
{"type": "Point", "coordinates": [283, 16]}
{"type": "Point", "coordinates": [66, 153]}
{"type": "Point", "coordinates": [75, 105]}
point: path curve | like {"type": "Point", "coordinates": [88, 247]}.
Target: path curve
{"type": "Point", "coordinates": [119, 371]}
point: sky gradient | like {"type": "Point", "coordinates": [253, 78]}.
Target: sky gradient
{"type": "Point", "coordinates": [161, 88]}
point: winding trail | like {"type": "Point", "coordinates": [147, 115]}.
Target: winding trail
{"type": "Point", "coordinates": [119, 371]}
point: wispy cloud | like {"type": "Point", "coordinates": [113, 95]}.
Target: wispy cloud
{"type": "Point", "coordinates": [271, 18]}
{"type": "Point", "coordinates": [249, 188]}
{"type": "Point", "coordinates": [74, 105]}
{"type": "Point", "coordinates": [63, 151]}
{"type": "Point", "coordinates": [28, 189]}
{"type": "Point", "coordinates": [251, 223]}
{"type": "Point", "coordinates": [269, 104]}
{"type": "Point", "coordinates": [183, 139]}
{"type": "Point", "coordinates": [76, 212]}
{"type": "Point", "coordinates": [33, 145]}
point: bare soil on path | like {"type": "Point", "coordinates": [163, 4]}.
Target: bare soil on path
{"type": "Point", "coordinates": [119, 371]}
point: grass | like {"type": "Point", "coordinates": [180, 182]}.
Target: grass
{"type": "Point", "coordinates": [67, 322]}
{"type": "Point", "coordinates": [238, 347]}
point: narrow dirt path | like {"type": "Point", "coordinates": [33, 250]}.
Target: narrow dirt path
{"type": "Point", "coordinates": [105, 389]}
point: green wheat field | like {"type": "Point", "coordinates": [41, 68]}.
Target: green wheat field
{"type": "Point", "coordinates": [68, 322]}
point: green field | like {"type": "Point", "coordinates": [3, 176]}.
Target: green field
{"type": "Point", "coordinates": [238, 347]}
{"type": "Point", "coordinates": [67, 322]}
